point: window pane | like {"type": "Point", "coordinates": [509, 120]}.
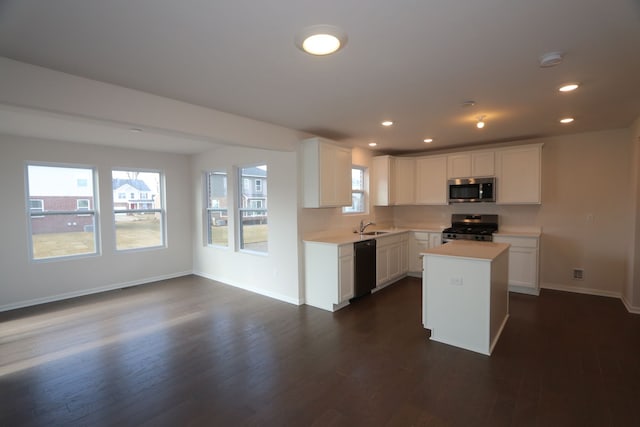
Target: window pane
{"type": "Point", "coordinates": [254, 229]}
{"type": "Point", "coordinates": [357, 204]}
{"type": "Point", "coordinates": [357, 179]}
{"type": "Point", "coordinates": [62, 235]}
{"type": "Point", "coordinates": [358, 199]}
{"type": "Point", "coordinates": [54, 195]}
{"type": "Point", "coordinates": [218, 228]}
{"type": "Point", "coordinates": [217, 215]}
{"type": "Point", "coordinates": [139, 216]}
{"type": "Point", "coordinates": [140, 230]}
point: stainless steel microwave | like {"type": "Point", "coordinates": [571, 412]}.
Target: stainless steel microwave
{"type": "Point", "coordinates": [472, 190]}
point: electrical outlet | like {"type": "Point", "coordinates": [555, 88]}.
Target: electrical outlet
{"type": "Point", "coordinates": [578, 273]}
{"type": "Point", "coordinates": [455, 281]}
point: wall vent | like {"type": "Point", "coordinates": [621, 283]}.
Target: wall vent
{"type": "Point", "coordinates": [578, 274]}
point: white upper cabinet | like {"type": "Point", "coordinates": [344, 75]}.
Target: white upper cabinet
{"type": "Point", "coordinates": [326, 174]}
{"type": "Point", "coordinates": [470, 164]}
{"type": "Point", "coordinates": [519, 174]}
{"type": "Point", "coordinates": [405, 180]}
{"type": "Point", "coordinates": [381, 176]}
{"type": "Point", "coordinates": [431, 180]}
{"type": "Point", "coordinates": [394, 180]}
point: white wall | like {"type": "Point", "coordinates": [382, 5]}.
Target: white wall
{"type": "Point", "coordinates": [23, 282]}
{"type": "Point", "coordinates": [276, 274]}
{"type": "Point", "coordinates": [583, 174]}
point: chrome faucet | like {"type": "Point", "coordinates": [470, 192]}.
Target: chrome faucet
{"type": "Point", "coordinates": [364, 226]}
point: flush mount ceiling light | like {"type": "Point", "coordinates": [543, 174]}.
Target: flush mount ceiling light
{"type": "Point", "coordinates": [566, 120]}
{"type": "Point", "coordinates": [569, 87]}
{"type": "Point", "coordinates": [387, 123]}
{"type": "Point", "coordinates": [480, 123]}
{"type": "Point", "coordinates": [428, 140]}
{"type": "Point", "coordinates": [321, 40]}
{"type": "Point", "coordinates": [550, 59]}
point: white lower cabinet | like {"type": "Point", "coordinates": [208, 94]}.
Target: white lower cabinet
{"type": "Point", "coordinates": [391, 263]}
{"type": "Point", "coordinates": [419, 242]}
{"type": "Point", "coordinates": [523, 263]}
{"type": "Point", "coordinates": [328, 275]}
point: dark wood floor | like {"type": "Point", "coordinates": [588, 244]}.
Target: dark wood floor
{"type": "Point", "coordinates": [193, 352]}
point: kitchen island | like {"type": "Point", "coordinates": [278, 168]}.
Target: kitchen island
{"type": "Point", "coordinates": [465, 297]}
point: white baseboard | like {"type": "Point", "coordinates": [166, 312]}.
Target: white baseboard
{"type": "Point", "coordinates": [274, 295]}
{"type": "Point", "coordinates": [85, 292]}
{"type": "Point", "coordinates": [630, 308]}
{"type": "Point", "coordinates": [579, 290]}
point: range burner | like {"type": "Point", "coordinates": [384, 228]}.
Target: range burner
{"type": "Point", "coordinates": [471, 227]}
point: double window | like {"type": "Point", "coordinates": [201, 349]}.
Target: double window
{"type": "Point", "coordinates": [56, 195]}
{"type": "Point", "coordinates": [251, 217]}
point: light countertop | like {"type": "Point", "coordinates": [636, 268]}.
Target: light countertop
{"type": "Point", "coordinates": [348, 237]}
{"type": "Point", "coordinates": [469, 249]}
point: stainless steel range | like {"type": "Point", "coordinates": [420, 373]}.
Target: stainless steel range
{"type": "Point", "coordinates": [471, 227]}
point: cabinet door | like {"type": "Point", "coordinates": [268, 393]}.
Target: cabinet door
{"type": "Point", "coordinates": [519, 175]}
{"type": "Point", "coordinates": [404, 181]}
{"type": "Point", "coordinates": [523, 269]}
{"type": "Point", "coordinates": [419, 244]}
{"type": "Point", "coordinates": [459, 165]}
{"type": "Point", "coordinates": [435, 239]}
{"type": "Point", "coordinates": [404, 254]}
{"type": "Point", "coordinates": [346, 277]}
{"type": "Point", "coordinates": [431, 180]}
{"type": "Point", "coordinates": [482, 164]}
{"type": "Point", "coordinates": [394, 261]}
{"type": "Point", "coordinates": [383, 170]}
{"type": "Point", "coordinates": [342, 184]}
{"type": "Point", "coordinates": [382, 264]}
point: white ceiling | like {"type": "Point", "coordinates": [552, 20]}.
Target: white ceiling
{"type": "Point", "coordinates": [410, 61]}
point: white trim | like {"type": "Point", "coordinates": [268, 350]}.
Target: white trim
{"type": "Point", "coordinates": [274, 295]}
{"type": "Point", "coordinates": [630, 308]}
{"type": "Point", "coordinates": [587, 291]}
{"type": "Point", "coordinates": [85, 292]}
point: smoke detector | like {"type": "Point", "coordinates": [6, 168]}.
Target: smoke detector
{"type": "Point", "coordinates": [550, 59]}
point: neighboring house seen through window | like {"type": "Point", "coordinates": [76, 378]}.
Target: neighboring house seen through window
{"type": "Point", "coordinates": [139, 220]}
{"type": "Point", "coordinates": [217, 215]}
{"type": "Point", "coordinates": [252, 212]}
{"type": "Point", "coordinates": [59, 231]}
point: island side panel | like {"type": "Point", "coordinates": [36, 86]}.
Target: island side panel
{"type": "Point", "coordinates": [321, 275]}
{"type": "Point", "coordinates": [457, 295]}
{"type": "Point", "coordinates": [499, 296]}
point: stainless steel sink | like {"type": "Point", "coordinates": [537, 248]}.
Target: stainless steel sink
{"type": "Point", "coordinates": [373, 233]}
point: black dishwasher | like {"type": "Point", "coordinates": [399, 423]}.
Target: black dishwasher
{"type": "Point", "coordinates": [364, 271]}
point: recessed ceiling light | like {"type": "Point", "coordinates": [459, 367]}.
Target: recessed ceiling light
{"type": "Point", "coordinates": [566, 120]}
{"type": "Point", "coordinates": [568, 87]}
{"type": "Point", "coordinates": [387, 123]}
{"type": "Point", "coordinates": [321, 40]}
{"type": "Point", "coordinates": [550, 59]}
{"type": "Point", "coordinates": [428, 140]}
{"type": "Point", "coordinates": [373, 144]}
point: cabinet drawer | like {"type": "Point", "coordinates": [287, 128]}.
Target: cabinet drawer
{"type": "Point", "coordinates": [388, 240]}
{"type": "Point", "coordinates": [421, 235]}
{"type": "Point", "coordinates": [520, 242]}
{"type": "Point", "coordinates": [345, 250]}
